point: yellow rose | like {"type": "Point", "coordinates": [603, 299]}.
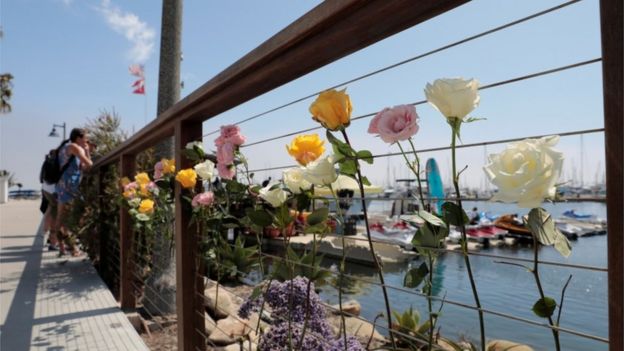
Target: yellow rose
{"type": "Point", "coordinates": [306, 148]}
{"type": "Point", "coordinates": [129, 194]}
{"type": "Point", "coordinates": [144, 190]}
{"type": "Point", "coordinates": [332, 109]}
{"type": "Point", "coordinates": [146, 206]}
{"type": "Point", "coordinates": [142, 178]}
{"type": "Point", "coordinates": [124, 181]}
{"type": "Point", "coordinates": [168, 166]}
{"type": "Point", "coordinates": [187, 178]}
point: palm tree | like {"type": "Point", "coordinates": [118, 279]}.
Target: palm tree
{"type": "Point", "coordinates": [5, 92]}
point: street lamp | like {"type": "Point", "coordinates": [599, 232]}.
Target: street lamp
{"type": "Point", "coordinates": [53, 133]}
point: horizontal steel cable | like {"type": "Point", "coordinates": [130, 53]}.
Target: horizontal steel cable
{"type": "Point", "coordinates": [456, 303]}
{"type": "Point", "coordinates": [443, 300]}
{"type": "Point", "coordinates": [144, 297]}
{"type": "Point", "coordinates": [152, 290]}
{"type": "Point", "coordinates": [488, 86]}
{"type": "Point", "coordinates": [414, 58]}
{"type": "Point", "coordinates": [461, 146]}
{"type": "Point", "coordinates": [475, 253]}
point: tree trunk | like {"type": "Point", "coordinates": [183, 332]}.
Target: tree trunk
{"type": "Point", "coordinates": [160, 297]}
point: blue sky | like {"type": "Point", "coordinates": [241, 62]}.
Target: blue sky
{"type": "Point", "coordinates": [70, 59]}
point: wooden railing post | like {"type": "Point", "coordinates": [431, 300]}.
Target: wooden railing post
{"type": "Point", "coordinates": [612, 81]}
{"type": "Point", "coordinates": [188, 283]}
{"type": "Point", "coordinates": [126, 296]}
{"type": "Point", "coordinates": [103, 237]}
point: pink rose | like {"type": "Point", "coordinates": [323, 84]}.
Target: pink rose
{"type": "Point", "coordinates": [203, 199]}
{"type": "Point", "coordinates": [158, 170]}
{"type": "Point", "coordinates": [131, 186]}
{"type": "Point", "coordinates": [226, 171]}
{"type": "Point", "coordinates": [231, 134]}
{"type": "Point", "coordinates": [394, 124]}
{"type": "Point", "coordinates": [225, 153]}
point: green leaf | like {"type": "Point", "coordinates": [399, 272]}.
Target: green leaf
{"type": "Point", "coordinates": [303, 201]}
{"type": "Point", "coordinates": [543, 227]}
{"type": "Point", "coordinates": [544, 307]}
{"type": "Point", "coordinates": [432, 219]}
{"type": "Point", "coordinates": [348, 167]}
{"type": "Point", "coordinates": [318, 216]}
{"type": "Point", "coordinates": [429, 236]}
{"type": "Point", "coordinates": [474, 119]}
{"type": "Point", "coordinates": [260, 218]}
{"type": "Point", "coordinates": [340, 146]}
{"type": "Point", "coordinates": [415, 276]}
{"type": "Point", "coordinates": [235, 187]}
{"type": "Point", "coordinates": [453, 214]}
{"type": "Point", "coordinates": [316, 229]}
{"type": "Point", "coordinates": [365, 181]}
{"type": "Point", "coordinates": [142, 217]}
{"type": "Point", "coordinates": [365, 156]}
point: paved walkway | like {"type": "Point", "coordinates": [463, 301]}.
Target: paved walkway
{"type": "Point", "coordinates": [50, 303]}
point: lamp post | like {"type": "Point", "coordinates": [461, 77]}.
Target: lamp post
{"type": "Point", "coordinates": [54, 133]}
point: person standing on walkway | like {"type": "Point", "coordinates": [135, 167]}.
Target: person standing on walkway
{"type": "Point", "coordinates": [49, 193]}
{"type": "Point", "coordinates": [75, 151]}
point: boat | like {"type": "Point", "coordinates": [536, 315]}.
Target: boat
{"type": "Point", "coordinates": [513, 225]}
{"type": "Point", "coordinates": [394, 231]}
{"type": "Point", "coordinates": [399, 233]}
{"type": "Point", "coordinates": [571, 231]}
{"type": "Point", "coordinates": [579, 216]}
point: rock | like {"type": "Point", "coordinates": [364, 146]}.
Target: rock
{"type": "Point", "coordinates": [224, 301]}
{"type": "Point", "coordinates": [501, 345]}
{"type": "Point", "coordinates": [237, 347]}
{"type": "Point", "coordinates": [349, 308]}
{"type": "Point", "coordinates": [135, 320]}
{"type": "Point", "coordinates": [360, 329]}
{"type": "Point", "coordinates": [209, 323]}
{"type": "Point", "coordinates": [230, 329]}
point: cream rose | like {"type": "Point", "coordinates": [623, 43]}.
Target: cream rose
{"type": "Point", "coordinates": [293, 178]}
{"type": "Point", "coordinates": [205, 170]}
{"type": "Point", "coordinates": [321, 171]}
{"type": "Point", "coordinates": [453, 97]}
{"type": "Point", "coordinates": [275, 197]}
{"type": "Point", "coordinates": [526, 171]}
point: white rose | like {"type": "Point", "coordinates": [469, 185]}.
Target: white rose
{"type": "Point", "coordinates": [455, 97]}
{"type": "Point", "coordinates": [275, 197]}
{"type": "Point", "coordinates": [195, 144]}
{"type": "Point", "coordinates": [293, 178]}
{"type": "Point", "coordinates": [205, 170]}
{"type": "Point", "coordinates": [526, 171]}
{"type": "Point", "coordinates": [321, 171]}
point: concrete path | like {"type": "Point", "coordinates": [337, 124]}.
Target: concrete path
{"type": "Point", "coordinates": [50, 303]}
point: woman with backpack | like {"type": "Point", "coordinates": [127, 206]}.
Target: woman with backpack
{"type": "Point", "coordinates": [74, 157]}
{"type": "Point", "coordinates": [48, 180]}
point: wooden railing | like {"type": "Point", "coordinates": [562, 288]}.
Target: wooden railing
{"type": "Point", "coordinates": [303, 46]}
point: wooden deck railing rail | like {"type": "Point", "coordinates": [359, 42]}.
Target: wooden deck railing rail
{"type": "Point", "coordinates": [308, 44]}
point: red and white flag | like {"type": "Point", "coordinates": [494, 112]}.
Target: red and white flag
{"type": "Point", "coordinates": [136, 70]}
{"type": "Point", "coordinates": [139, 86]}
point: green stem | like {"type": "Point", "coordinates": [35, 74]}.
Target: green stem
{"type": "Point", "coordinates": [429, 303]}
{"type": "Point", "coordinates": [312, 274]}
{"type": "Point", "coordinates": [422, 199]}
{"type": "Point", "coordinates": [465, 241]}
{"type": "Point", "coordinates": [372, 248]}
{"type": "Point", "coordinates": [535, 272]}
{"type": "Point", "coordinates": [416, 172]}
{"type": "Point", "coordinates": [342, 266]}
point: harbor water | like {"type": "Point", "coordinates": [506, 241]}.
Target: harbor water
{"type": "Point", "coordinates": [502, 288]}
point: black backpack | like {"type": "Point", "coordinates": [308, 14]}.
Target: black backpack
{"type": "Point", "coordinates": [51, 171]}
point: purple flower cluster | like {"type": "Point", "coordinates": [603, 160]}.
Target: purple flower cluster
{"type": "Point", "coordinates": [294, 293]}
{"type": "Point", "coordinates": [281, 296]}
